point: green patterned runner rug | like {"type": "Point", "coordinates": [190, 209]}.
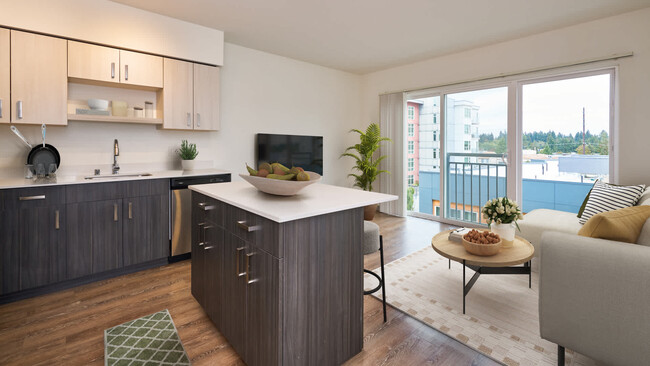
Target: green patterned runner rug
{"type": "Point", "coordinates": [150, 340]}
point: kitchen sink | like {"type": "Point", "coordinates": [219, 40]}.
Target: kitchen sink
{"type": "Point", "coordinates": [117, 176]}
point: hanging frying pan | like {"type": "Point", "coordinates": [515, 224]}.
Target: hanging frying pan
{"type": "Point", "coordinates": [43, 153]}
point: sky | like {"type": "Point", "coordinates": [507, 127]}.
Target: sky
{"type": "Point", "coordinates": [548, 106]}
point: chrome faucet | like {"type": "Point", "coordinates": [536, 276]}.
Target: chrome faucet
{"type": "Point", "coordinates": [116, 153]}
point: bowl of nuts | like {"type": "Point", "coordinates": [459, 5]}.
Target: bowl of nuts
{"type": "Point", "coordinates": [483, 243]}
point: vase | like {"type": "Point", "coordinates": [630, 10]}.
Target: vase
{"type": "Point", "coordinates": [369, 212]}
{"type": "Point", "coordinates": [187, 164]}
{"type": "Point", "coordinates": [506, 232]}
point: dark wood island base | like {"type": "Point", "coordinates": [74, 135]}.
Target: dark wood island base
{"type": "Point", "coordinates": [287, 293]}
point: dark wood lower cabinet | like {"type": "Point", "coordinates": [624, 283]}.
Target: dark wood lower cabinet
{"type": "Point", "coordinates": [145, 234]}
{"type": "Point", "coordinates": [299, 304]}
{"type": "Point", "coordinates": [106, 237]}
{"type": "Point", "coordinates": [9, 252]}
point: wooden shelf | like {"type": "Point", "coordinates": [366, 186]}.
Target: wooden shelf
{"type": "Point", "coordinates": [95, 118]}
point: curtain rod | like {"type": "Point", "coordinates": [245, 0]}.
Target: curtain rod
{"type": "Point", "coordinates": [615, 56]}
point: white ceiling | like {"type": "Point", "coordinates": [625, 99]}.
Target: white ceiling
{"type": "Point", "coordinates": [362, 36]}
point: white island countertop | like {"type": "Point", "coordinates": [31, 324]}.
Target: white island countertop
{"type": "Point", "coordinates": [314, 200]}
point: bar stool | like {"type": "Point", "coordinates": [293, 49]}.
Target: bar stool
{"type": "Point", "coordinates": [373, 241]}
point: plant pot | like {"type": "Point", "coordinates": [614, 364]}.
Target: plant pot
{"type": "Point", "coordinates": [187, 164]}
{"type": "Point", "coordinates": [369, 212]}
{"type": "Point", "coordinates": [506, 232]}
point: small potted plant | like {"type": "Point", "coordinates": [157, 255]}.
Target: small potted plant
{"type": "Point", "coordinates": [187, 153]}
{"type": "Point", "coordinates": [366, 163]}
{"type": "Point", "coordinates": [501, 215]}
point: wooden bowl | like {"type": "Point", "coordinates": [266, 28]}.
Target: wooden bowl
{"type": "Point", "coordinates": [484, 250]}
{"type": "Point", "coordinates": [280, 187]}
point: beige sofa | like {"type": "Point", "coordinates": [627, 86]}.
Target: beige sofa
{"type": "Point", "coordinates": [594, 294]}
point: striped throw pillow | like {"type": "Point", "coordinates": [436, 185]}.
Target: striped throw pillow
{"type": "Point", "coordinates": [606, 197]}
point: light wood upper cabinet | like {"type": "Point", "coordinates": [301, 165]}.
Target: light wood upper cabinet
{"type": "Point", "coordinates": [87, 61]}
{"type": "Point", "coordinates": [5, 102]}
{"type": "Point", "coordinates": [141, 69]}
{"type": "Point", "coordinates": [39, 79]}
{"type": "Point", "coordinates": [178, 95]}
{"type": "Point", "coordinates": [206, 97]}
{"type": "Point", "coordinates": [190, 96]}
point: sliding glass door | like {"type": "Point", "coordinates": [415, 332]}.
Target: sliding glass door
{"type": "Point", "coordinates": [461, 140]}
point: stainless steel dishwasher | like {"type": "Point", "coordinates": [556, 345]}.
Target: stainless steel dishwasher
{"type": "Point", "coordinates": [180, 224]}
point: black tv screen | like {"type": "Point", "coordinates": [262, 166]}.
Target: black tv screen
{"type": "Point", "coordinates": [291, 150]}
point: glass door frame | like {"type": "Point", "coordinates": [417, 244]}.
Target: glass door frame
{"type": "Point", "coordinates": [514, 154]}
{"type": "Point", "coordinates": [613, 97]}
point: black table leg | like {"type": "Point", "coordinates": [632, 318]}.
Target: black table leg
{"type": "Point", "coordinates": [463, 285]}
{"type": "Point", "coordinates": [449, 263]}
{"type": "Point", "coordinates": [530, 273]}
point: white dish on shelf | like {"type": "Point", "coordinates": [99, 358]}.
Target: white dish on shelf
{"type": "Point", "coordinates": [280, 187]}
{"type": "Point", "coordinates": [98, 104]}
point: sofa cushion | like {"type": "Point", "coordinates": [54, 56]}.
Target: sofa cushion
{"type": "Point", "coordinates": [606, 197]}
{"type": "Point", "coordinates": [621, 225]}
{"type": "Point", "coordinates": [538, 221]}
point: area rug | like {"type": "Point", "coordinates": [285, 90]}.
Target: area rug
{"type": "Point", "coordinates": [501, 319]}
{"type": "Point", "coordinates": [150, 340]}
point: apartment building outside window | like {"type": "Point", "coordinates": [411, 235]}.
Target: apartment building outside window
{"type": "Point", "coordinates": [435, 153]}
{"type": "Point", "coordinates": [411, 130]}
{"type": "Point", "coordinates": [410, 180]}
{"type": "Point", "coordinates": [468, 113]}
{"type": "Point", "coordinates": [411, 147]}
{"type": "Point", "coordinates": [467, 146]}
{"type": "Point", "coordinates": [411, 164]}
{"type": "Point", "coordinates": [468, 129]}
{"type": "Point", "coordinates": [411, 112]}
{"type": "Point", "coordinates": [435, 135]}
{"type": "Point", "coordinates": [435, 119]}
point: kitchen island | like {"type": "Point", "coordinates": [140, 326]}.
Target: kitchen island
{"type": "Point", "coordinates": [282, 277]}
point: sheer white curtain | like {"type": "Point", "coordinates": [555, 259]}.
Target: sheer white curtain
{"type": "Point", "coordinates": [391, 122]}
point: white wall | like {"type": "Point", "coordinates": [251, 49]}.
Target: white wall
{"type": "Point", "coordinates": [261, 92]}
{"type": "Point", "coordinates": [618, 34]}
{"type": "Point", "coordinates": [109, 23]}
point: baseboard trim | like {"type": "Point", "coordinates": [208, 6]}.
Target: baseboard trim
{"type": "Point", "coordinates": [64, 285]}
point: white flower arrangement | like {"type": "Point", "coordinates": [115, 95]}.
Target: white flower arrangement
{"type": "Point", "coordinates": [501, 210]}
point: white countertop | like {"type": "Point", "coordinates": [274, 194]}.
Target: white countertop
{"type": "Point", "coordinates": [316, 199]}
{"type": "Point", "coordinates": [6, 183]}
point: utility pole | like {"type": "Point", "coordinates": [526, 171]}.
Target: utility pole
{"type": "Point", "coordinates": [583, 132]}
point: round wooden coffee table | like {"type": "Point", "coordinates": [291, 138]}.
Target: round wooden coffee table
{"type": "Point", "coordinates": [521, 252]}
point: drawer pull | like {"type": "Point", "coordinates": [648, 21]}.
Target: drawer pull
{"type": "Point", "coordinates": [130, 210]}
{"type": "Point", "coordinates": [248, 268]}
{"type": "Point", "coordinates": [57, 225]}
{"type": "Point", "coordinates": [208, 248]}
{"type": "Point", "coordinates": [237, 260]}
{"type": "Point", "coordinates": [205, 228]}
{"type": "Point", "coordinates": [201, 225]}
{"type": "Point", "coordinates": [115, 212]}
{"type": "Point", "coordinates": [31, 198]}
{"type": "Point", "coordinates": [205, 207]}
{"type": "Point", "coordinates": [250, 229]}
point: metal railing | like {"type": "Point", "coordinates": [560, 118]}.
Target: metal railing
{"type": "Point", "coordinates": [484, 184]}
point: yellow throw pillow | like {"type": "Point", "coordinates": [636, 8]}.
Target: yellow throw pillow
{"type": "Point", "coordinates": [624, 224]}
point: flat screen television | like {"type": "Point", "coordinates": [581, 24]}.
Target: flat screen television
{"type": "Point", "coordinates": [291, 150]}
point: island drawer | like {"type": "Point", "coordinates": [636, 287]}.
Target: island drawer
{"type": "Point", "coordinates": [254, 229]}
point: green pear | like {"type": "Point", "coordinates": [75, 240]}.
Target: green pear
{"type": "Point", "coordinates": [281, 177]}
{"type": "Point", "coordinates": [303, 176]}
{"type": "Point", "coordinates": [251, 171]}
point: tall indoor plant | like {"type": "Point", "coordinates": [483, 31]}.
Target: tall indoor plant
{"type": "Point", "coordinates": [366, 163]}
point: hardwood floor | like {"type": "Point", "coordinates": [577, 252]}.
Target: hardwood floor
{"type": "Point", "coordinates": [66, 328]}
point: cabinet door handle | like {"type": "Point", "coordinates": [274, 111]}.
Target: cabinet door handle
{"type": "Point", "coordinates": [31, 198]}
{"type": "Point", "coordinates": [126, 72]}
{"type": "Point", "coordinates": [205, 207]}
{"type": "Point", "coordinates": [198, 119]}
{"type": "Point", "coordinates": [57, 225]}
{"type": "Point", "coordinates": [189, 119]}
{"type": "Point", "coordinates": [19, 109]}
{"type": "Point", "coordinates": [0, 108]}
{"type": "Point", "coordinates": [242, 225]}
{"type": "Point", "coordinates": [237, 260]}
{"type": "Point", "coordinates": [205, 229]}
{"type": "Point", "coordinates": [201, 224]}
{"type": "Point", "coordinates": [112, 70]}
{"type": "Point", "coordinates": [208, 248]}
{"type": "Point", "coordinates": [115, 212]}
{"type": "Point", "coordinates": [248, 268]}
{"type": "Point", "coordinates": [130, 210]}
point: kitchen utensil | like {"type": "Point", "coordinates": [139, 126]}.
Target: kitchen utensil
{"type": "Point", "coordinates": [20, 135]}
{"type": "Point", "coordinates": [43, 153]}
{"type": "Point", "coordinates": [98, 104]}
{"type": "Point", "coordinates": [29, 171]}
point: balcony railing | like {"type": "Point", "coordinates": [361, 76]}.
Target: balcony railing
{"type": "Point", "coordinates": [470, 184]}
